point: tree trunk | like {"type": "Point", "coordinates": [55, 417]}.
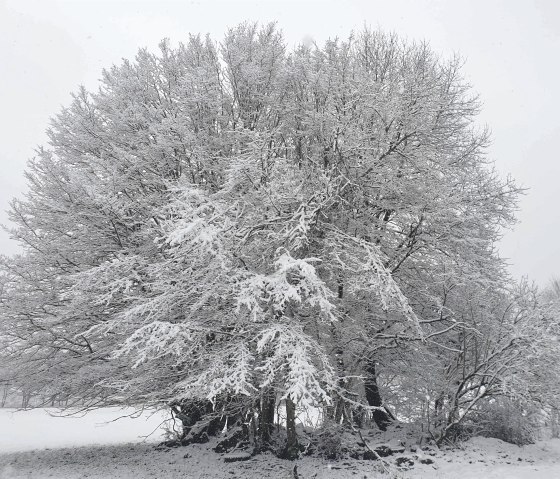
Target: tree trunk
{"type": "Point", "coordinates": [554, 422]}
{"type": "Point", "coordinates": [266, 417]}
{"type": "Point", "coordinates": [382, 417]}
{"type": "Point", "coordinates": [5, 394]}
{"type": "Point", "coordinates": [292, 447]}
{"type": "Point", "coordinates": [339, 354]}
{"type": "Point", "coordinates": [189, 413]}
{"type": "Point", "coordinates": [25, 398]}
{"type": "Point", "coordinates": [338, 411]}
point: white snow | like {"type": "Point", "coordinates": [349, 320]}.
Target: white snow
{"type": "Point", "coordinates": [45, 428]}
{"type": "Point", "coordinates": [494, 459]}
{"type": "Point", "coordinates": [35, 445]}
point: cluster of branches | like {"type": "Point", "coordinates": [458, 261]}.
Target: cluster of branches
{"type": "Point", "coordinates": [225, 228]}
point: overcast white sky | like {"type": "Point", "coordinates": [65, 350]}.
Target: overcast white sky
{"type": "Point", "coordinates": [511, 48]}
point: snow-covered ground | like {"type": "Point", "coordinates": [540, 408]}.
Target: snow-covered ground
{"type": "Point", "coordinates": [486, 458]}
{"type": "Point", "coordinates": [47, 428]}
{"type": "Point", "coordinates": [34, 444]}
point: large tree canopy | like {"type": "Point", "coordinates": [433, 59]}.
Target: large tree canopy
{"type": "Point", "coordinates": [240, 224]}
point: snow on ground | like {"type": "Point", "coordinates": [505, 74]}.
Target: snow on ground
{"type": "Point", "coordinates": [487, 458]}
{"type": "Point", "coordinates": [40, 428]}
{"type": "Point", "coordinates": [114, 450]}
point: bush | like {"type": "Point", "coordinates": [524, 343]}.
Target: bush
{"type": "Point", "coordinates": [508, 420]}
{"type": "Point", "coordinates": [329, 442]}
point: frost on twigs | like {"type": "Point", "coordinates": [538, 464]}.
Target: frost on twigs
{"type": "Point", "coordinates": [154, 340]}
{"type": "Point", "coordinates": [293, 282]}
{"type": "Point", "coordinates": [365, 265]}
{"type": "Point", "coordinates": [112, 280]}
{"type": "Point", "coordinates": [298, 361]}
{"type": "Point", "coordinates": [230, 372]}
{"type": "Point", "coordinates": [196, 222]}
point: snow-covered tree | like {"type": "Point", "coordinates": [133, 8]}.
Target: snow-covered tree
{"type": "Point", "coordinates": [226, 228]}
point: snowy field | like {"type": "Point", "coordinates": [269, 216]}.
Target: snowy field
{"type": "Point", "coordinates": [41, 428]}
{"type": "Point", "coordinates": [34, 444]}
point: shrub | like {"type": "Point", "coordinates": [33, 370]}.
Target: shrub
{"type": "Point", "coordinates": [508, 420]}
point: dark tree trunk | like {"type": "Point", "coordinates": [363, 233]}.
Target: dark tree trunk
{"type": "Point", "coordinates": [438, 411]}
{"type": "Point", "coordinates": [338, 412]}
{"type": "Point", "coordinates": [199, 420]}
{"type": "Point", "coordinates": [25, 398]}
{"type": "Point", "coordinates": [216, 425]}
{"type": "Point", "coordinates": [266, 417]}
{"type": "Point", "coordinates": [5, 394]}
{"type": "Point", "coordinates": [292, 447]}
{"type": "Point", "coordinates": [189, 413]}
{"type": "Point", "coordinates": [382, 417]}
